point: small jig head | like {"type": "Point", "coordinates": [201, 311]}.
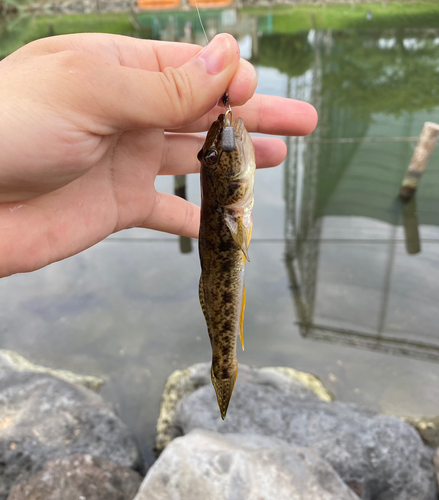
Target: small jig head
{"type": "Point", "coordinates": [228, 135]}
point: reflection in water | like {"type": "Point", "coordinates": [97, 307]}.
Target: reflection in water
{"type": "Point", "coordinates": [127, 309]}
{"type": "Point", "coordinates": [180, 190]}
{"type": "Point", "coordinates": [411, 230]}
{"type": "Point", "coordinates": [349, 168]}
{"type": "Point", "coordinates": [185, 26]}
{"type": "Point", "coordinates": [290, 54]}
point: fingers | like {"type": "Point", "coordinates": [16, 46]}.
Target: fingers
{"type": "Point", "coordinates": [129, 83]}
{"type": "Point", "coordinates": [269, 151]}
{"type": "Point", "coordinates": [243, 85]}
{"type": "Point", "coordinates": [174, 215]}
{"type": "Point", "coordinates": [180, 153]}
{"type": "Point", "coordinates": [266, 115]}
{"type": "Point", "coordinates": [150, 55]}
{"type": "Point", "coordinates": [121, 98]}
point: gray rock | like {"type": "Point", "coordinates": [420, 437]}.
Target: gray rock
{"type": "Point", "coordinates": [382, 457]}
{"type": "Point", "coordinates": [79, 477]}
{"type": "Point", "coordinates": [204, 465]}
{"type": "Point", "coordinates": [436, 464]}
{"type": "Point", "coordinates": [43, 418]}
{"type": "Point", "coordinates": [183, 382]}
{"type": "Point", "coordinates": [13, 360]}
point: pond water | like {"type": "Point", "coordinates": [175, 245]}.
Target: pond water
{"type": "Point", "coordinates": [343, 280]}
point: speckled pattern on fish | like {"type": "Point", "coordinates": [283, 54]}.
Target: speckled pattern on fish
{"type": "Point", "coordinates": [226, 223]}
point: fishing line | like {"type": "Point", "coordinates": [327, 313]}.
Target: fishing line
{"type": "Point", "coordinates": [201, 22]}
{"type": "Point", "coordinates": [228, 134]}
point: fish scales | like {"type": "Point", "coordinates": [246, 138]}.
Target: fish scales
{"type": "Point", "coordinates": [225, 231]}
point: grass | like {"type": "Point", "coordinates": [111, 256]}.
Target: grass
{"type": "Point", "coordinates": [24, 30]}
{"type": "Point", "coordinates": [80, 23]}
{"type": "Point", "coordinates": [341, 17]}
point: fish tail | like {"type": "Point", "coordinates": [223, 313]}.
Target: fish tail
{"type": "Point", "coordinates": [224, 390]}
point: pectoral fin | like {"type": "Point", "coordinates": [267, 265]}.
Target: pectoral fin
{"type": "Point", "coordinates": [240, 233]}
{"type": "Point", "coordinates": [242, 319]}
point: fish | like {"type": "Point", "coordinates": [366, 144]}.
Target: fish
{"type": "Point", "coordinates": [227, 198]}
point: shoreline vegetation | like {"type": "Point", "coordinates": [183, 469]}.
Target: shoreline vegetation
{"type": "Point", "coordinates": [39, 19]}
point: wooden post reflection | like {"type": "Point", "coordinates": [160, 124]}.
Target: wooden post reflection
{"type": "Point", "coordinates": [410, 222]}
{"type": "Point", "coordinates": [180, 190]}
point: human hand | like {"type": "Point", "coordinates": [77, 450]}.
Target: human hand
{"type": "Point", "coordinates": [84, 130]}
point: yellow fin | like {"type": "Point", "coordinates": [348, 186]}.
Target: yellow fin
{"type": "Point", "coordinates": [224, 389]}
{"type": "Point", "coordinates": [242, 319]}
{"type": "Point", "coordinates": [243, 239]}
{"type": "Point", "coordinates": [241, 235]}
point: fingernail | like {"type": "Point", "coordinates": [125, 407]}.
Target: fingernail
{"type": "Point", "coordinates": [218, 54]}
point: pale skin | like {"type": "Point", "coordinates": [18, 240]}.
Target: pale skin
{"type": "Point", "coordinates": [88, 121]}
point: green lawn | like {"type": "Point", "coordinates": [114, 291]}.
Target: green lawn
{"type": "Point", "coordinates": [339, 17]}
{"type": "Point", "coordinates": [79, 23]}
{"type": "Point", "coordinates": [26, 29]}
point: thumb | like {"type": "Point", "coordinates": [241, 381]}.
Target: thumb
{"type": "Point", "coordinates": [169, 98]}
{"type": "Point", "coordinates": [187, 93]}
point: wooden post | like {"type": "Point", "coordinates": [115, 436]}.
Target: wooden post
{"type": "Point", "coordinates": [424, 148]}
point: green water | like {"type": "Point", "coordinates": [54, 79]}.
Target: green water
{"type": "Point", "coordinates": [334, 287]}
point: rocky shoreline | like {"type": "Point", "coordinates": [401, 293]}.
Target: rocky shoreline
{"type": "Point", "coordinates": [284, 437]}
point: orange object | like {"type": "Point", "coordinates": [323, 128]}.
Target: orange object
{"type": "Point", "coordinates": [158, 4]}
{"type": "Point", "coordinates": [210, 3]}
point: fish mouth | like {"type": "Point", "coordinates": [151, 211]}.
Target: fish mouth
{"type": "Point", "coordinates": [214, 136]}
{"type": "Point", "coordinates": [238, 125]}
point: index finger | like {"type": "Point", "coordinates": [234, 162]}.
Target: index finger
{"type": "Point", "coordinates": [266, 115]}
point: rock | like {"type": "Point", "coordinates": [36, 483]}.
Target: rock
{"type": "Point", "coordinates": [428, 428]}
{"type": "Point", "coordinates": [43, 418]}
{"type": "Point", "coordinates": [13, 360]}
{"type": "Point", "coordinates": [79, 477]}
{"type": "Point", "coordinates": [183, 382]}
{"type": "Point", "coordinates": [381, 457]}
{"type": "Point", "coordinates": [204, 465]}
{"type": "Point", "coordinates": [436, 464]}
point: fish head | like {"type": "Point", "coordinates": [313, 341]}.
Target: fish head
{"type": "Point", "coordinates": [232, 173]}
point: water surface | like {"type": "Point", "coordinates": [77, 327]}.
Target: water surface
{"type": "Point", "coordinates": [334, 287]}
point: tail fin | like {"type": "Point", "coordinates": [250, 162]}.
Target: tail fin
{"type": "Point", "coordinates": [224, 389]}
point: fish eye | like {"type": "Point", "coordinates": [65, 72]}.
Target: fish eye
{"type": "Point", "coordinates": [211, 156]}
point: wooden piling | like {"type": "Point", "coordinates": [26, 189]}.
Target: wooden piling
{"type": "Point", "coordinates": [424, 148]}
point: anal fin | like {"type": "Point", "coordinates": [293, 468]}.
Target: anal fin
{"type": "Point", "coordinates": [242, 319]}
{"type": "Point", "coordinates": [202, 297]}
